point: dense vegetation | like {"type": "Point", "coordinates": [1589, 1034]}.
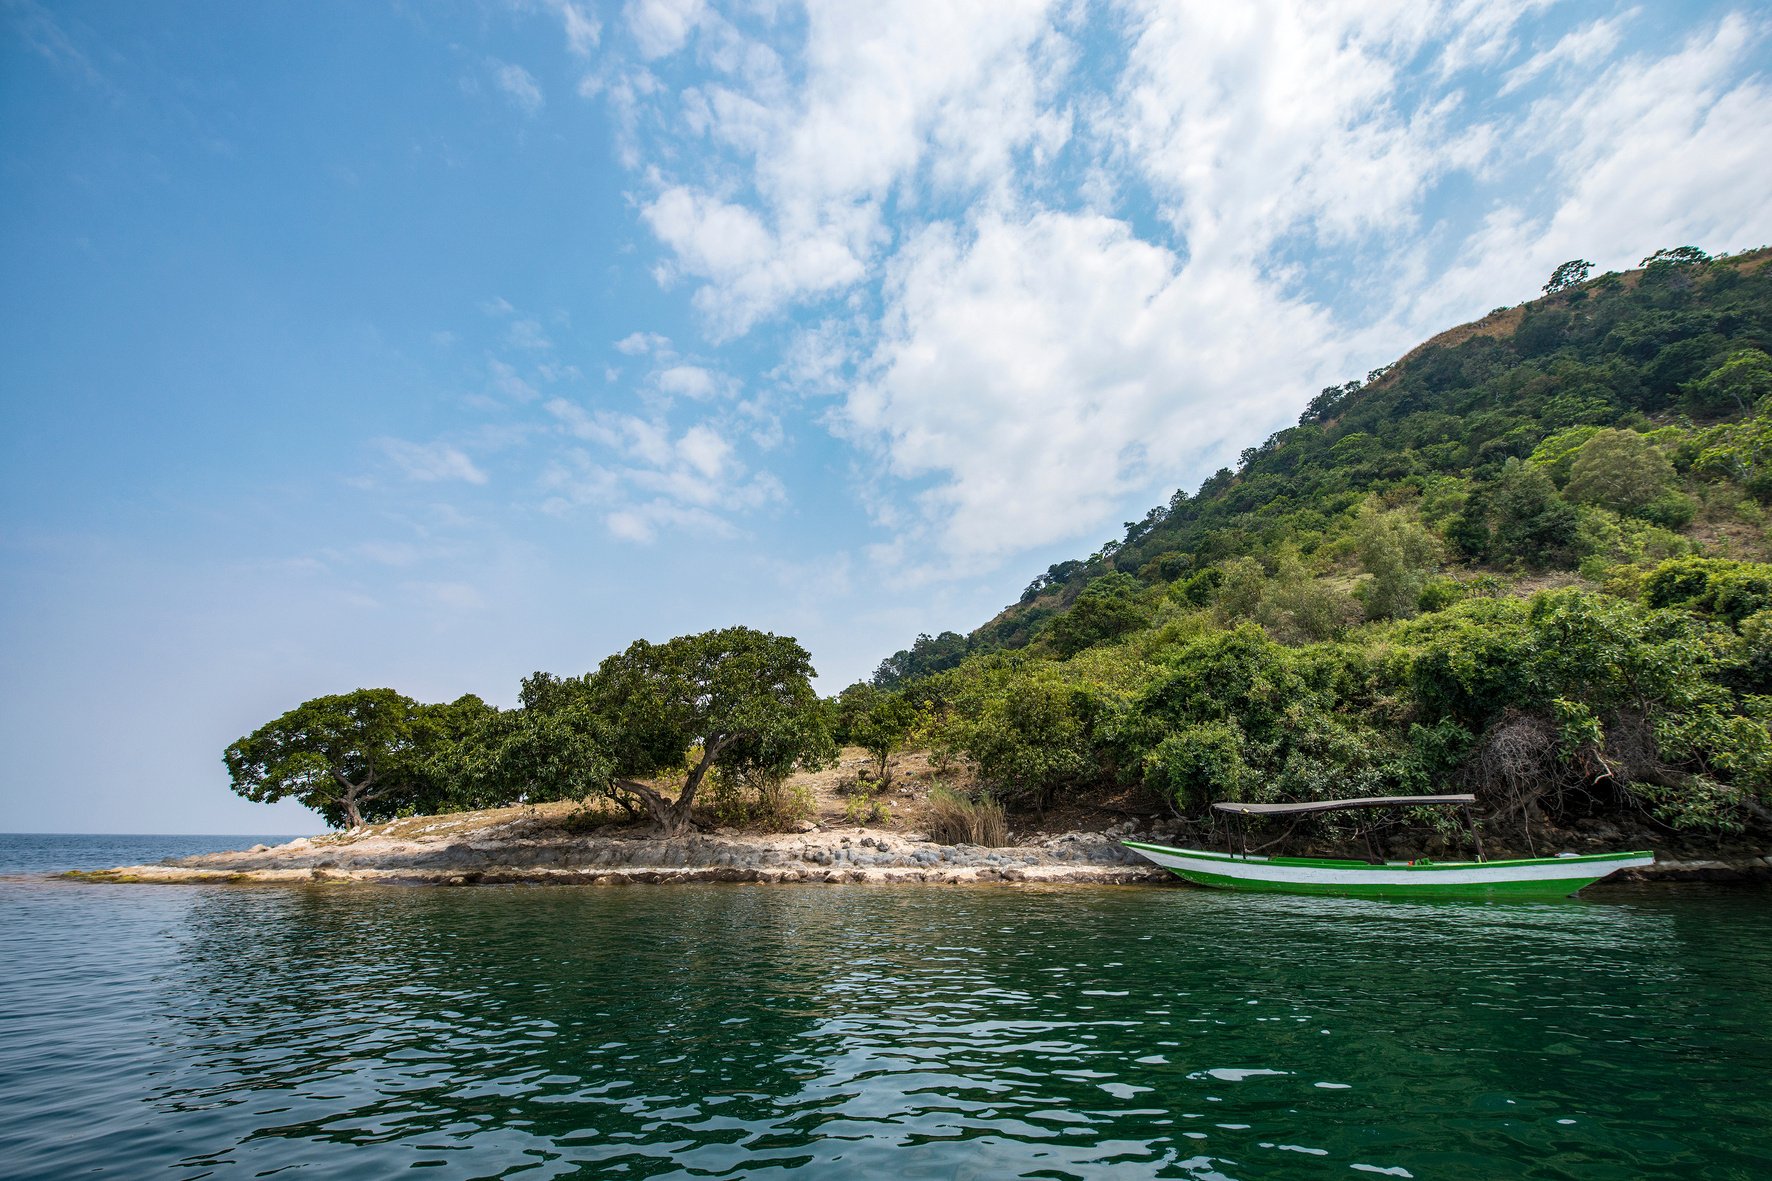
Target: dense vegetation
{"type": "Point", "coordinates": [1526, 560]}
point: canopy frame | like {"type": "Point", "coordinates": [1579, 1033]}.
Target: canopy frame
{"type": "Point", "coordinates": [1242, 811]}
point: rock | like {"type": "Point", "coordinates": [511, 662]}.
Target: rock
{"type": "Point", "coordinates": [806, 826]}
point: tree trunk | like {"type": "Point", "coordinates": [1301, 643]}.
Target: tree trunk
{"type": "Point", "coordinates": [682, 811]}
{"type": "Point", "coordinates": [348, 801]}
{"type": "Point", "coordinates": [656, 805]}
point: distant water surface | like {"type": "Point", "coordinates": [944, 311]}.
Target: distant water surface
{"type": "Point", "coordinates": [879, 1032]}
{"type": "Point", "coordinates": [53, 852]}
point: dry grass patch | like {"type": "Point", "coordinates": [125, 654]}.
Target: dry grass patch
{"type": "Point", "coordinates": [953, 819]}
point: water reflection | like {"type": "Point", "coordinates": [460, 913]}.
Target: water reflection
{"type": "Point", "coordinates": [716, 1031]}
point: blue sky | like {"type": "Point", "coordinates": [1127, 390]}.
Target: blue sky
{"type": "Point", "coordinates": [427, 345]}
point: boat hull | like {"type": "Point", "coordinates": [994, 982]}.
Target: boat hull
{"type": "Point", "coordinates": [1534, 877]}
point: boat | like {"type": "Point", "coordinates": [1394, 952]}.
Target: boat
{"type": "Point", "coordinates": [1521, 877]}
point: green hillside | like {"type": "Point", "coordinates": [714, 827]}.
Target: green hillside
{"type": "Point", "coordinates": [1525, 559]}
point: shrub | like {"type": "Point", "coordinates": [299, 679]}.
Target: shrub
{"type": "Point", "coordinates": [763, 801]}
{"type": "Point", "coordinates": [865, 808]}
{"type": "Point", "coordinates": [1620, 470]}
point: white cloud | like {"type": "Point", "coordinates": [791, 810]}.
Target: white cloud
{"type": "Point", "coordinates": [1655, 151]}
{"type": "Point", "coordinates": [507, 381]}
{"type": "Point", "coordinates": [1255, 121]}
{"type": "Point", "coordinates": [1046, 367]}
{"type": "Point", "coordinates": [638, 343]}
{"type": "Point", "coordinates": [431, 462]}
{"type": "Point", "coordinates": [1019, 344]}
{"type": "Point", "coordinates": [519, 86]}
{"type": "Point", "coordinates": [1582, 48]}
{"type": "Point", "coordinates": [693, 381]}
{"type": "Point", "coordinates": [890, 93]}
{"type": "Point", "coordinates": [661, 27]}
{"type": "Point", "coordinates": [528, 335]}
{"type": "Point", "coordinates": [649, 476]}
{"type": "Point", "coordinates": [581, 28]}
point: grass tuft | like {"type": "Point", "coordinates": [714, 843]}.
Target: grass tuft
{"type": "Point", "coordinates": [957, 820]}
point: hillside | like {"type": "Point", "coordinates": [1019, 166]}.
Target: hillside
{"type": "Point", "coordinates": [1527, 558]}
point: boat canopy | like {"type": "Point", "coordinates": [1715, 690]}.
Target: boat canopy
{"type": "Point", "coordinates": [1336, 805]}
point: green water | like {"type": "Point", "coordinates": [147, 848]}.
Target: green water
{"type": "Point", "coordinates": [744, 1031]}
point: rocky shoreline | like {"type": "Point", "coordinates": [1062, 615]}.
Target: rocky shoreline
{"type": "Point", "coordinates": [849, 854]}
{"type": "Point", "coordinates": [447, 853]}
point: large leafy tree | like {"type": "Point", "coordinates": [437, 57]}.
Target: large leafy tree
{"type": "Point", "coordinates": [350, 756]}
{"type": "Point", "coordinates": [1619, 470]}
{"type": "Point", "coordinates": [552, 748]}
{"type": "Point", "coordinates": [736, 699]}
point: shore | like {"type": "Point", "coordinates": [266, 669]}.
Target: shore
{"type": "Point", "coordinates": [526, 845]}
{"type": "Point", "coordinates": [454, 853]}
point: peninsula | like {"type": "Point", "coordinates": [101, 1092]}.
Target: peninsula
{"type": "Point", "coordinates": [1530, 561]}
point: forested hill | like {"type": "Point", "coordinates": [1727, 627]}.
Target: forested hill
{"type": "Point", "coordinates": [1676, 351]}
{"type": "Point", "coordinates": [1526, 556]}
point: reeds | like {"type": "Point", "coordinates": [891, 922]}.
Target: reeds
{"type": "Point", "coordinates": [957, 820]}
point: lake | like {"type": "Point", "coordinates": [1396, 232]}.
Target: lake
{"type": "Point", "coordinates": [852, 1031]}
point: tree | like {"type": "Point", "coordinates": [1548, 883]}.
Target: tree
{"type": "Point", "coordinates": [929, 655]}
{"type": "Point", "coordinates": [1108, 607]}
{"type": "Point", "coordinates": [1532, 524]}
{"type": "Point", "coordinates": [1737, 384]}
{"type": "Point", "coordinates": [1619, 470]}
{"type": "Point", "coordinates": [1675, 256]}
{"type": "Point", "coordinates": [1400, 555]}
{"type": "Point", "coordinates": [1027, 731]}
{"type": "Point", "coordinates": [552, 748]}
{"type": "Point", "coordinates": [1571, 274]}
{"type": "Point", "coordinates": [734, 699]}
{"type": "Point", "coordinates": [881, 728]}
{"type": "Point", "coordinates": [347, 756]}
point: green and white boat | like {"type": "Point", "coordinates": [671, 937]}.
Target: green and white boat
{"type": "Point", "coordinates": [1525, 877]}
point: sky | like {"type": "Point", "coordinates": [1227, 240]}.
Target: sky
{"type": "Point", "coordinates": [349, 344]}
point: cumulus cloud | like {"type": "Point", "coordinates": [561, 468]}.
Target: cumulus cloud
{"type": "Point", "coordinates": [922, 89]}
{"type": "Point", "coordinates": [642, 475]}
{"type": "Point", "coordinates": [637, 343]}
{"type": "Point", "coordinates": [693, 381]}
{"type": "Point", "coordinates": [662, 27]}
{"type": "Point", "coordinates": [1035, 369]}
{"type": "Point", "coordinates": [1047, 259]}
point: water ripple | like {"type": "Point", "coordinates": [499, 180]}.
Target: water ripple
{"type": "Point", "coordinates": [712, 1031]}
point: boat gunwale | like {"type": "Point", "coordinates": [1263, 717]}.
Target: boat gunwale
{"type": "Point", "coordinates": [1388, 867]}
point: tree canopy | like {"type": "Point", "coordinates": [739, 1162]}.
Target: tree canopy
{"type": "Point", "coordinates": [734, 699]}
{"type": "Point", "coordinates": [355, 756]}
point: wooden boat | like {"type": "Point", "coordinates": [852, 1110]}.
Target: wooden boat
{"type": "Point", "coordinates": [1544, 877]}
